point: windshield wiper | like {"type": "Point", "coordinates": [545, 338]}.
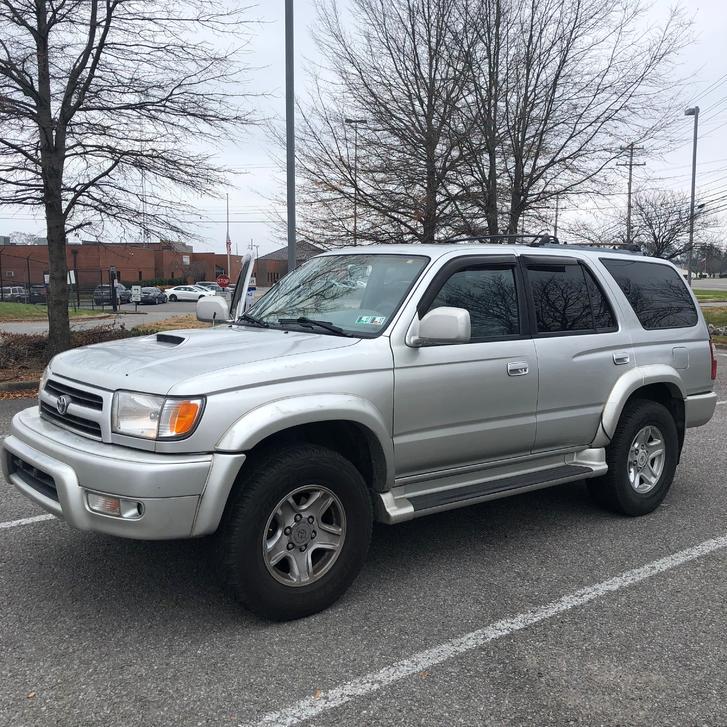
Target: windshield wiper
{"type": "Point", "coordinates": [247, 318]}
{"type": "Point", "coordinates": [310, 322]}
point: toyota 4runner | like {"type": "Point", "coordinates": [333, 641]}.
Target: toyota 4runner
{"type": "Point", "coordinates": [372, 383]}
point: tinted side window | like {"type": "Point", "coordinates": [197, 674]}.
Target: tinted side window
{"type": "Point", "coordinates": [490, 296]}
{"type": "Point", "coordinates": [603, 316]}
{"type": "Point", "coordinates": [561, 298]}
{"type": "Point", "coordinates": [655, 291]}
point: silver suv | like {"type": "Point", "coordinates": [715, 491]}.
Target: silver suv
{"type": "Point", "coordinates": [373, 383]}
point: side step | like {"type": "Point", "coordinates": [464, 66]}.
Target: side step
{"type": "Point", "coordinates": [398, 505]}
{"type": "Point", "coordinates": [429, 500]}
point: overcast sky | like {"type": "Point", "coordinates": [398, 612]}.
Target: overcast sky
{"type": "Point", "coordinates": [258, 180]}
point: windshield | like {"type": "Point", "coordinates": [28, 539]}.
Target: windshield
{"type": "Point", "coordinates": [357, 293]}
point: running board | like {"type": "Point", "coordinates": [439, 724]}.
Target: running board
{"type": "Point", "coordinates": [394, 508]}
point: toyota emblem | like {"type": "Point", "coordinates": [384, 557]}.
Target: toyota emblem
{"type": "Point", "coordinates": [62, 404]}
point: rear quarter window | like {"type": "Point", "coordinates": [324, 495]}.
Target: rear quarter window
{"type": "Point", "coordinates": [656, 292]}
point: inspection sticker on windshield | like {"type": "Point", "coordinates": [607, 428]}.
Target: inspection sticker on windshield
{"type": "Point", "coordinates": [371, 320]}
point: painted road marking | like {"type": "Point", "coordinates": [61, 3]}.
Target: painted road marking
{"type": "Point", "coordinates": [26, 521]}
{"type": "Point", "coordinates": [373, 681]}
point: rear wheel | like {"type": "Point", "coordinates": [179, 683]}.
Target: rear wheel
{"type": "Point", "coordinates": [641, 458]}
{"type": "Point", "coordinates": [295, 533]}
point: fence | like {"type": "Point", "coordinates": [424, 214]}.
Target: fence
{"type": "Point", "coordinates": [25, 280]}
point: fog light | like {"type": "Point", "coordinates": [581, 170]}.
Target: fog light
{"type": "Point", "coordinates": [104, 504]}
{"type": "Point", "coordinates": [114, 506]}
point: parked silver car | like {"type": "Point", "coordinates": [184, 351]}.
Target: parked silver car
{"type": "Point", "coordinates": [373, 383]}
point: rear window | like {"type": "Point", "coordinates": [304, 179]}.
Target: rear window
{"type": "Point", "coordinates": [656, 292]}
{"type": "Point", "coordinates": [568, 300]}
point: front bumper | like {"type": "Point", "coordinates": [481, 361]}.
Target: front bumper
{"type": "Point", "coordinates": [179, 496]}
{"type": "Point", "coordinates": [699, 408]}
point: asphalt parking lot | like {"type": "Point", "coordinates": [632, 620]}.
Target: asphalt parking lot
{"type": "Point", "coordinates": [445, 626]}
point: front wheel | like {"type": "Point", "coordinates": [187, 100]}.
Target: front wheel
{"type": "Point", "coordinates": [295, 533]}
{"type": "Point", "coordinates": [173, 298]}
{"type": "Point", "coordinates": [641, 458]}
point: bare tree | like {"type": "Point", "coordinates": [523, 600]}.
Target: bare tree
{"type": "Point", "coordinates": [558, 85]}
{"type": "Point", "coordinates": [478, 110]}
{"type": "Point", "coordinates": [402, 70]}
{"type": "Point", "coordinates": [661, 223]}
{"type": "Point", "coordinates": [97, 98]}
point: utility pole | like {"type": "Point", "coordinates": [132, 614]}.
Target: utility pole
{"type": "Point", "coordinates": [228, 242]}
{"type": "Point", "coordinates": [355, 123]}
{"type": "Point", "coordinates": [630, 164]}
{"type": "Point", "coordinates": [144, 228]}
{"type": "Point", "coordinates": [290, 129]}
{"type": "Point", "coordinates": [693, 111]}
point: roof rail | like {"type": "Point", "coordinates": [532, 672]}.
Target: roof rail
{"type": "Point", "coordinates": [545, 240]}
{"type": "Point", "coordinates": [514, 239]}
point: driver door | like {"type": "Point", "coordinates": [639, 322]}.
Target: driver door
{"type": "Point", "coordinates": [466, 403]}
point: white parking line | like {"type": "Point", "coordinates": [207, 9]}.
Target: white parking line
{"type": "Point", "coordinates": [25, 521]}
{"type": "Point", "coordinates": [373, 681]}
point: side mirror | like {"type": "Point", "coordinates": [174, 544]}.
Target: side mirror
{"type": "Point", "coordinates": [212, 308]}
{"type": "Point", "coordinates": [441, 325]}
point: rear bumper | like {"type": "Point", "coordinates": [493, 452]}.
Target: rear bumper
{"type": "Point", "coordinates": [178, 496]}
{"type": "Point", "coordinates": [698, 409]}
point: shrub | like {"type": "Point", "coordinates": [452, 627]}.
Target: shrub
{"type": "Point", "coordinates": [30, 350]}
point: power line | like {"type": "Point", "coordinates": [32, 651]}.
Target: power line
{"type": "Point", "coordinates": [712, 86]}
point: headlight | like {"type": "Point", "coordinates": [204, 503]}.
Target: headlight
{"type": "Point", "coordinates": [154, 417]}
{"type": "Point", "coordinates": [44, 378]}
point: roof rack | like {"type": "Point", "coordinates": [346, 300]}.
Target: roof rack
{"type": "Point", "coordinates": [545, 240]}
{"type": "Point", "coordinates": [514, 239]}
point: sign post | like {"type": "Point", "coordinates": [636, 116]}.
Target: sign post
{"type": "Point", "coordinates": [136, 296]}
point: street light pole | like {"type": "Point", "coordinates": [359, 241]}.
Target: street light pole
{"type": "Point", "coordinates": [693, 111]}
{"type": "Point", "coordinates": [355, 123]}
{"type": "Point", "coordinates": [290, 129]}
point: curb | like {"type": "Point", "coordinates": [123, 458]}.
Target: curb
{"type": "Point", "coordinates": [19, 385]}
{"type": "Point", "coordinates": [103, 317]}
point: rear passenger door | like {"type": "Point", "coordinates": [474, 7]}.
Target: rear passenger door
{"type": "Point", "coordinates": [582, 351]}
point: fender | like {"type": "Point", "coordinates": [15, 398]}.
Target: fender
{"type": "Point", "coordinates": [632, 380]}
{"type": "Point", "coordinates": [258, 424]}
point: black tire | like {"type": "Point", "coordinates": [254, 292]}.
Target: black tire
{"type": "Point", "coordinates": [614, 491]}
{"type": "Point", "coordinates": [268, 480]}
{"type": "Point", "coordinates": [200, 297]}
{"type": "Point", "coordinates": [173, 298]}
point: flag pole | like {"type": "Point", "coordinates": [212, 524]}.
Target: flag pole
{"type": "Point", "coordinates": [228, 242]}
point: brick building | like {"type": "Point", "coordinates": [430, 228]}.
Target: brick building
{"type": "Point", "coordinates": [271, 267]}
{"type": "Point", "coordinates": [27, 264]}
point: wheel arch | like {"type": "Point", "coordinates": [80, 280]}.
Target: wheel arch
{"type": "Point", "coordinates": [347, 424]}
{"type": "Point", "coordinates": [655, 382]}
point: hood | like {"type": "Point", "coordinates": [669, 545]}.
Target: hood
{"type": "Point", "coordinates": [156, 363]}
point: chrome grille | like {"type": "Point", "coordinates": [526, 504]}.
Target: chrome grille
{"type": "Point", "coordinates": [83, 398]}
{"type": "Point", "coordinates": [80, 410]}
{"type": "Point", "coordinates": [71, 421]}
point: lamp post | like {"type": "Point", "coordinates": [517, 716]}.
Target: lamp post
{"type": "Point", "coordinates": [290, 129]}
{"type": "Point", "coordinates": [693, 111]}
{"type": "Point", "coordinates": [355, 123]}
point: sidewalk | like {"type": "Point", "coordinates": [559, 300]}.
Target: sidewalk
{"type": "Point", "coordinates": [129, 321]}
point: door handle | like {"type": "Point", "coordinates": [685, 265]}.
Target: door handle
{"type": "Point", "coordinates": [517, 368]}
{"type": "Point", "coordinates": [620, 358]}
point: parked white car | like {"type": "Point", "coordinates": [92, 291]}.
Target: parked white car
{"type": "Point", "coordinates": [187, 292]}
